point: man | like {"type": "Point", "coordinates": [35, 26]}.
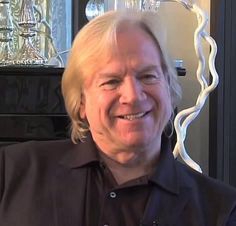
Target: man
{"type": "Point", "coordinates": [120, 91]}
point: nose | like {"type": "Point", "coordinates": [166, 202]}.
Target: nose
{"type": "Point", "coordinates": [131, 91]}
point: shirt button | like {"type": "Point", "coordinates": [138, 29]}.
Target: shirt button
{"type": "Point", "coordinates": [113, 195]}
{"type": "Point", "coordinates": [102, 165]}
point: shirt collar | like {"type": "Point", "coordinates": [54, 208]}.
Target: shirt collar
{"type": "Point", "coordinates": [81, 154]}
{"type": "Point", "coordinates": [165, 175]}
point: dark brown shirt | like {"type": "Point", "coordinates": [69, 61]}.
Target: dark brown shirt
{"type": "Point", "coordinates": [58, 183]}
{"type": "Point", "coordinates": [108, 203]}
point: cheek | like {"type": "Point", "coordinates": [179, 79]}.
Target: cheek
{"type": "Point", "coordinates": [98, 105]}
{"type": "Point", "coordinates": [166, 94]}
{"type": "Point", "coordinates": [167, 103]}
{"type": "Point", "coordinates": [163, 100]}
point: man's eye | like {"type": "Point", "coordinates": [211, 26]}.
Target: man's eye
{"type": "Point", "coordinates": [110, 84]}
{"type": "Point", "coordinates": [149, 78]}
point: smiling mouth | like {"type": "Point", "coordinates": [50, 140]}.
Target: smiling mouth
{"type": "Point", "coordinates": [131, 117]}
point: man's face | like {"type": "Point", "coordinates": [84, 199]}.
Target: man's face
{"type": "Point", "coordinates": [127, 102]}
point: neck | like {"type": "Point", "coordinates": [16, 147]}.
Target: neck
{"type": "Point", "coordinates": [127, 167]}
{"type": "Point", "coordinates": [132, 158]}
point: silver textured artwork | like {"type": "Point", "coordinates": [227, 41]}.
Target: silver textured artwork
{"type": "Point", "coordinates": [151, 5]}
{"type": "Point", "coordinates": [28, 54]}
{"type": "Point", "coordinates": [6, 28]}
{"type": "Point", "coordinates": [128, 4]}
{"type": "Point", "coordinates": [41, 27]}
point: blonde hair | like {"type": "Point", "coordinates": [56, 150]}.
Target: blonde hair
{"type": "Point", "coordinates": [93, 45]}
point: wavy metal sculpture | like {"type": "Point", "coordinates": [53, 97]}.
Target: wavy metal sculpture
{"type": "Point", "coordinates": [186, 116]}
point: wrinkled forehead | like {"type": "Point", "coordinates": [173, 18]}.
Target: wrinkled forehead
{"type": "Point", "coordinates": [108, 48]}
{"type": "Point", "coordinates": [113, 47]}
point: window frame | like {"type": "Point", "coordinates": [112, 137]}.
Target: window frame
{"type": "Point", "coordinates": [79, 18]}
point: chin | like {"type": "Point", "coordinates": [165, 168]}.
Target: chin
{"type": "Point", "coordinates": [136, 142]}
{"type": "Point", "coordinates": [143, 139]}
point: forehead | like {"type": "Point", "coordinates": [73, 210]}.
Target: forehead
{"type": "Point", "coordinates": [135, 40]}
{"type": "Point", "coordinates": [129, 41]}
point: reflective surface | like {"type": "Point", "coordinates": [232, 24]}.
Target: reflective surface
{"type": "Point", "coordinates": [28, 54]}
{"type": "Point", "coordinates": [31, 91]}
{"type": "Point", "coordinates": [52, 20]}
{"type": "Point", "coordinates": [6, 28]}
{"type": "Point", "coordinates": [151, 5]}
{"type": "Point", "coordinates": [94, 8]}
{"type": "Point", "coordinates": [98, 7]}
{"type": "Point", "coordinates": [128, 4]}
{"type": "Point", "coordinates": [31, 104]}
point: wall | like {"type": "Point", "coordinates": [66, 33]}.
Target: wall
{"type": "Point", "coordinates": [181, 25]}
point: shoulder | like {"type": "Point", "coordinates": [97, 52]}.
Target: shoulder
{"type": "Point", "coordinates": [28, 151]}
{"type": "Point", "coordinates": [207, 188]}
{"type": "Point", "coordinates": [37, 160]}
{"type": "Point", "coordinates": [32, 157]}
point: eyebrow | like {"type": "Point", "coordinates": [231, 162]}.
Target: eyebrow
{"type": "Point", "coordinates": [114, 74]}
{"type": "Point", "coordinates": [149, 68]}
{"type": "Point", "coordinates": [108, 75]}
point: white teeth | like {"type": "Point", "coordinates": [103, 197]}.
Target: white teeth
{"type": "Point", "coordinates": [134, 116]}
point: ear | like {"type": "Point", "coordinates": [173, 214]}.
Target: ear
{"type": "Point", "coordinates": [82, 108]}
